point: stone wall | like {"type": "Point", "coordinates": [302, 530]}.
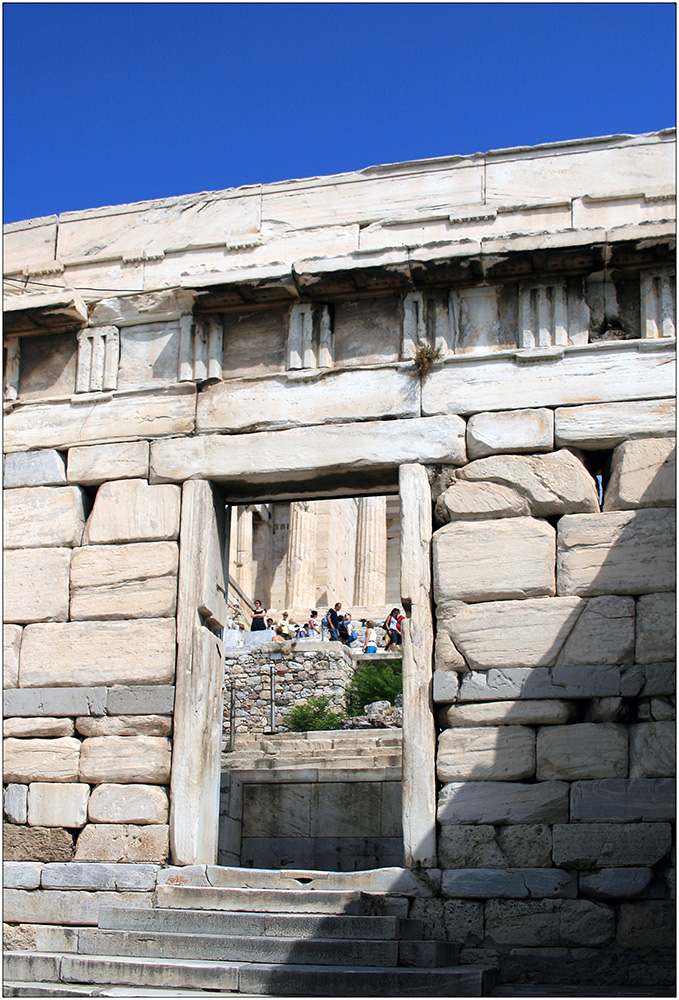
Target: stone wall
{"type": "Point", "coordinates": [90, 572]}
{"type": "Point", "coordinates": [555, 685]}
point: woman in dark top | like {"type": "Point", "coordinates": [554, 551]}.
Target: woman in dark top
{"type": "Point", "coordinates": [258, 618]}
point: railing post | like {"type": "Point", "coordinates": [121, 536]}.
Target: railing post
{"type": "Point", "coordinates": [273, 701]}
{"type": "Point", "coordinates": [232, 710]}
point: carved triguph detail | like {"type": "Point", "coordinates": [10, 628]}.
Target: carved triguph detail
{"type": "Point", "coordinates": [310, 337]}
{"type": "Point", "coordinates": [200, 349]}
{"type": "Point", "coordinates": [657, 304]}
{"type": "Point", "coordinates": [543, 315]}
{"type": "Point", "coordinates": [98, 356]}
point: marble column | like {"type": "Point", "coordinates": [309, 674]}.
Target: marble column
{"type": "Point", "coordinates": [244, 550]}
{"type": "Point", "coordinates": [300, 574]}
{"type": "Point", "coordinates": [370, 586]}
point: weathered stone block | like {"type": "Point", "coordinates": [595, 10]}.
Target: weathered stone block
{"type": "Point", "coordinates": [36, 843]}
{"type": "Point", "coordinates": [141, 804]}
{"type": "Point", "coordinates": [508, 713]}
{"type": "Point", "coordinates": [445, 687]}
{"type": "Point", "coordinates": [656, 632]}
{"type": "Point", "coordinates": [341, 809]}
{"type": "Point", "coordinates": [42, 727]}
{"type": "Point", "coordinates": [615, 883]}
{"type": "Point", "coordinates": [621, 552]}
{"type": "Point", "coordinates": [34, 468]}
{"type": "Point", "coordinates": [509, 883]}
{"type": "Point", "coordinates": [15, 803]}
{"type": "Point", "coordinates": [96, 464]}
{"type": "Point", "coordinates": [510, 431]}
{"type": "Point", "coordinates": [11, 643]}
{"type": "Point", "coordinates": [545, 923]}
{"type": "Point", "coordinates": [644, 680]}
{"type": "Point", "coordinates": [278, 810]}
{"type": "Point", "coordinates": [663, 709]}
{"type": "Point", "coordinates": [526, 845]}
{"type": "Point", "coordinates": [125, 725]}
{"type": "Point", "coordinates": [583, 750]}
{"type": "Point", "coordinates": [617, 800]}
{"type": "Point", "coordinates": [43, 517]}
{"type": "Point", "coordinates": [36, 585]}
{"type": "Point", "coordinates": [553, 484]}
{"type": "Point", "coordinates": [464, 501]}
{"type": "Point", "coordinates": [95, 875]}
{"type": "Point", "coordinates": [604, 633]}
{"type": "Point", "coordinates": [526, 633]}
{"type": "Point", "coordinates": [537, 682]}
{"type": "Point", "coordinates": [605, 425]}
{"type": "Point", "coordinates": [27, 702]}
{"type": "Point", "coordinates": [643, 474]}
{"type": "Point", "coordinates": [57, 804]}
{"type": "Point", "coordinates": [138, 580]}
{"type": "Point", "coordinates": [120, 843]}
{"type": "Point", "coordinates": [64, 907]}
{"type": "Point", "coordinates": [652, 750]}
{"type": "Point", "coordinates": [21, 874]}
{"type": "Point", "coordinates": [122, 652]}
{"type": "Point", "coordinates": [495, 753]}
{"type": "Point", "coordinates": [446, 654]}
{"type": "Point", "coordinates": [606, 710]}
{"type": "Point", "coordinates": [19, 937]}
{"type": "Point", "coordinates": [469, 847]}
{"type": "Point", "coordinates": [610, 845]}
{"type": "Point", "coordinates": [28, 760]}
{"type": "Point", "coordinates": [125, 759]}
{"type": "Point", "coordinates": [648, 923]}
{"type": "Point", "coordinates": [510, 558]}
{"type": "Point", "coordinates": [450, 920]}
{"type": "Point", "coordinates": [141, 699]}
{"type": "Point", "coordinates": [132, 511]}
{"type": "Point", "coordinates": [501, 802]}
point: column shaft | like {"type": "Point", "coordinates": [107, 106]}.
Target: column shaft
{"type": "Point", "coordinates": [371, 552]}
{"type": "Point", "coordinates": [300, 575]}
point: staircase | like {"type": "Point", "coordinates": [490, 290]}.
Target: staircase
{"type": "Point", "coordinates": [284, 755]}
{"type": "Point", "coordinates": [249, 939]}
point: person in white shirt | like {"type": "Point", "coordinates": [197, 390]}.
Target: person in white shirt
{"type": "Point", "coordinates": [370, 640]}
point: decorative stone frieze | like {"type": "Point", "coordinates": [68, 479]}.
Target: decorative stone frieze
{"type": "Point", "coordinates": [310, 337]}
{"type": "Point", "coordinates": [98, 356]}
{"type": "Point", "coordinates": [543, 315]}
{"type": "Point", "coordinates": [658, 303]}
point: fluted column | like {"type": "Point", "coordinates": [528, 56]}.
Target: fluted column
{"type": "Point", "coordinates": [370, 585]}
{"type": "Point", "coordinates": [300, 573]}
{"type": "Point", "coordinates": [244, 550]}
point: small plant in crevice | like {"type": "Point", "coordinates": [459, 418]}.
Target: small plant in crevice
{"type": "Point", "coordinates": [374, 680]}
{"type": "Point", "coordinates": [425, 356]}
{"type": "Point", "coordinates": [312, 715]}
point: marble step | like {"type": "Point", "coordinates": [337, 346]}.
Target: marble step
{"type": "Point", "coordinates": [262, 900]}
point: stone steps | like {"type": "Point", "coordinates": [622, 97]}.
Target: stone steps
{"type": "Point", "coordinates": [261, 900]}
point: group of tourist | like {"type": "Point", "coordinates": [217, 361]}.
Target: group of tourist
{"type": "Point", "coordinates": [339, 625]}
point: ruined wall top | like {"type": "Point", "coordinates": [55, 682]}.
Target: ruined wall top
{"type": "Point", "coordinates": [399, 217]}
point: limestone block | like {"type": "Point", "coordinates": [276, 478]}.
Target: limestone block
{"type": "Point", "coordinates": [11, 643]}
{"type": "Point", "coordinates": [27, 702]}
{"type": "Point", "coordinates": [278, 456]}
{"type": "Point", "coordinates": [141, 652]}
{"type": "Point", "coordinates": [621, 552]}
{"type": "Point", "coordinates": [132, 511]}
{"type": "Point", "coordinates": [141, 804]}
{"type": "Point", "coordinates": [123, 843]}
{"type": "Point", "coordinates": [278, 810]}
{"type": "Point", "coordinates": [663, 709]}
{"type": "Point", "coordinates": [36, 843]}
{"type": "Point", "coordinates": [643, 474]}
{"type": "Point", "coordinates": [648, 923]}
{"type": "Point", "coordinates": [552, 484]}
{"type": "Point", "coordinates": [510, 431]}
{"type": "Point", "coordinates": [508, 883]}
{"type": "Point", "coordinates": [124, 725]}
{"type": "Point", "coordinates": [140, 699]}
{"type": "Point", "coordinates": [15, 803]}
{"type": "Point", "coordinates": [70, 907]}
{"type": "Point", "coordinates": [508, 713]}
{"type": "Point", "coordinates": [604, 633]}
{"type": "Point", "coordinates": [583, 750]}
{"type": "Point", "coordinates": [453, 920]}
{"type": "Point", "coordinates": [615, 883]}
{"type": "Point", "coordinates": [527, 633]}
{"type": "Point", "coordinates": [483, 846]}
{"type": "Point", "coordinates": [617, 800]}
{"type": "Point", "coordinates": [447, 656]}
{"type": "Point", "coordinates": [445, 687]}
{"type": "Point", "coordinates": [43, 517]}
{"type": "Point", "coordinates": [606, 710]}
{"type": "Point", "coordinates": [36, 585]}
{"type": "Point", "coordinates": [493, 753]}
{"type": "Point", "coordinates": [21, 874]}
{"type": "Point", "coordinates": [34, 468]}
{"type": "Point", "coordinates": [610, 845]}
{"type": "Point", "coordinates": [57, 804]}
{"type": "Point", "coordinates": [97, 875]}
{"type": "Point", "coordinates": [501, 802]}
{"type": "Point", "coordinates": [96, 464]}
{"type": "Point", "coordinates": [605, 425]}
{"type": "Point", "coordinates": [40, 726]}
{"type": "Point", "coordinates": [511, 558]}
{"type": "Point", "coordinates": [125, 759]}
{"type": "Point", "coordinates": [536, 682]}
{"type": "Point", "coordinates": [652, 750]}
{"type": "Point", "coordinates": [123, 418]}
{"type": "Point", "coordinates": [138, 580]}
{"type": "Point", "coordinates": [646, 679]}
{"type": "Point", "coordinates": [19, 937]}
{"type": "Point", "coordinates": [526, 845]}
{"type": "Point", "coordinates": [464, 501]}
{"type": "Point", "coordinates": [41, 760]}
{"type": "Point", "coordinates": [656, 632]}
{"type": "Point", "coordinates": [547, 922]}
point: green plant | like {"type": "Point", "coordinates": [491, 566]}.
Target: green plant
{"type": "Point", "coordinates": [312, 715]}
{"type": "Point", "coordinates": [377, 680]}
{"type": "Point", "coordinates": [425, 356]}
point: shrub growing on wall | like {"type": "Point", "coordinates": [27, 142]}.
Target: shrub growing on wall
{"type": "Point", "coordinates": [311, 716]}
{"type": "Point", "coordinates": [377, 680]}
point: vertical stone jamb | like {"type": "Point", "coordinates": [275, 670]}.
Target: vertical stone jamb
{"type": "Point", "coordinates": [419, 735]}
{"type": "Point", "coordinates": [414, 328]}
{"type": "Point", "coordinates": [196, 751]}
{"type": "Point", "coordinates": [11, 391]}
{"type": "Point", "coordinates": [371, 552]}
{"type": "Point", "coordinates": [300, 572]}
{"type": "Point", "coordinates": [326, 342]}
{"type": "Point", "coordinates": [186, 349]}
{"type": "Point", "coordinates": [111, 357]}
{"type": "Point", "coordinates": [82, 379]}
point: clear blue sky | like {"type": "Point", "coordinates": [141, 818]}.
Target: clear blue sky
{"type": "Point", "coordinates": [111, 103]}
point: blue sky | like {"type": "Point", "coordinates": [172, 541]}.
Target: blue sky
{"type": "Point", "coordinates": [112, 103]}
